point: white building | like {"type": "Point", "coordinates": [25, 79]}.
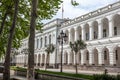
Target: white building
{"type": "Point", "coordinates": [100, 29]}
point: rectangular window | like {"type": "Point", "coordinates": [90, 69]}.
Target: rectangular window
{"type": "Point", "coordinates": [115, 30]}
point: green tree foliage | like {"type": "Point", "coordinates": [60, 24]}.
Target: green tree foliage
{"type": "Point", "coordinates": [74, 3]}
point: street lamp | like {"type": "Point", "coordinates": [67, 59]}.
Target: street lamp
{"type": "Point", "coordinates": [62, 37]}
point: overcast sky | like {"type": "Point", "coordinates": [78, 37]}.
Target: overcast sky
{"type": "Point", "coordinates": [85, 6]}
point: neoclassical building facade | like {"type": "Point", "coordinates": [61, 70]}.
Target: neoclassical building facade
{"type": "Point", "coordinates": [100, 29]}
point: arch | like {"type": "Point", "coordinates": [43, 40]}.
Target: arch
{"type": "Point", "coordinates": [106, 56]}
{"type": "Point", "coordinates": [95, 52]}
{"type": "Point", "coordinates": [41, 41]}
{"type": "Point", "coordinates": [37, 43]}
{"type": "Point", "coordinates": [116, 22]}
{"type": "Point", "coordinates": [79, 57]}
{"type": "Point", "coordinates": [65, 57]}
{"type": "Point", "coordinates": [72, 31]}
{"type": "Point", "coordinates": [87, 33]}
{"type": "Point", "coordinates": [105, 24]}
{"type": "Point", "coordinates": [45, 44]}
{"type": "Point", "coordinates": [117, 55]}
{"type": "Point", "coordinates": [43, 59]}
{"type": "Point", "coordinates": [50, 39]}
{"type": "Point", "coordinates": [95, 28]}
{"type": "Point", "coordinates": [87, 57]}
{"type": "Point", "coordinates": [71, 57]}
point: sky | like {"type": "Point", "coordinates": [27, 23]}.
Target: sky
{"type": "Point", "coordinates": [85, 6]}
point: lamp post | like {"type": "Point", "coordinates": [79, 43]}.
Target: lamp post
{"type": "Point", "coordinates": [62, 37]}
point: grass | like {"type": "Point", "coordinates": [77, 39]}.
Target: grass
{"type": "Point", "coordinates": [55, 73]}
{"type": "Point", "coordinates": [67, 74]}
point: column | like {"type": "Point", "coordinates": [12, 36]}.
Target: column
{"type": "Point", "coordinates": [83, 33]}
{"type": "Point", "coordinates": [100, 29]}
{"type": "Point", "coordinates": [100, 56]}
{"type": "Point", "coordinates": [111, 26]}
{"type": "Point", "coordinates": [45, 59]}
{"type": "Point", "coordinates": [36, 60]}
{"type": "Point", "coordinates": [112, 58]}
{"type": "Point", "coordinates": [76, 34]}
{"type": "Point", "coordinates": [91, 57]}
{"type": "Point", "coordinates": [91, 31]}
{"type": "Point", "coordinates": [83, 61]}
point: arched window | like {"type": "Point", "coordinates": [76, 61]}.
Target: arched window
{"type": "Point", "coordinates": [87, 56]}
{"type": "Point", "coordinates": [49, 39]}
{"type": "Point", "coordinates": [116, 53]}
{"type": "Point", "coordinates": [45, 41]}
{"type": "Point", "coordinates": [37, 43]}
{"type": "Point", "coordinates": [115, 30]}
{"type": "Point", "coordinates": [41, 43]}
{"type": "Point", "coordinates": [104, 33]}
{"type": "Point", "coordinates": [105, 55]}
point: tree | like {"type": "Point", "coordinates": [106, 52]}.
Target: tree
{"type": "Point", "coordinates": [6, 17]}
{"type": "Point", "coordinates": [46, 10]}
{"type": "Point", "coordinates": [76, 47]}
{"type": "Point", "coordinates": [6, 73]}
{"type": "Point", "coordinates": [50, 49]}
{"type": "Point", "coordinates": [30, 72]}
